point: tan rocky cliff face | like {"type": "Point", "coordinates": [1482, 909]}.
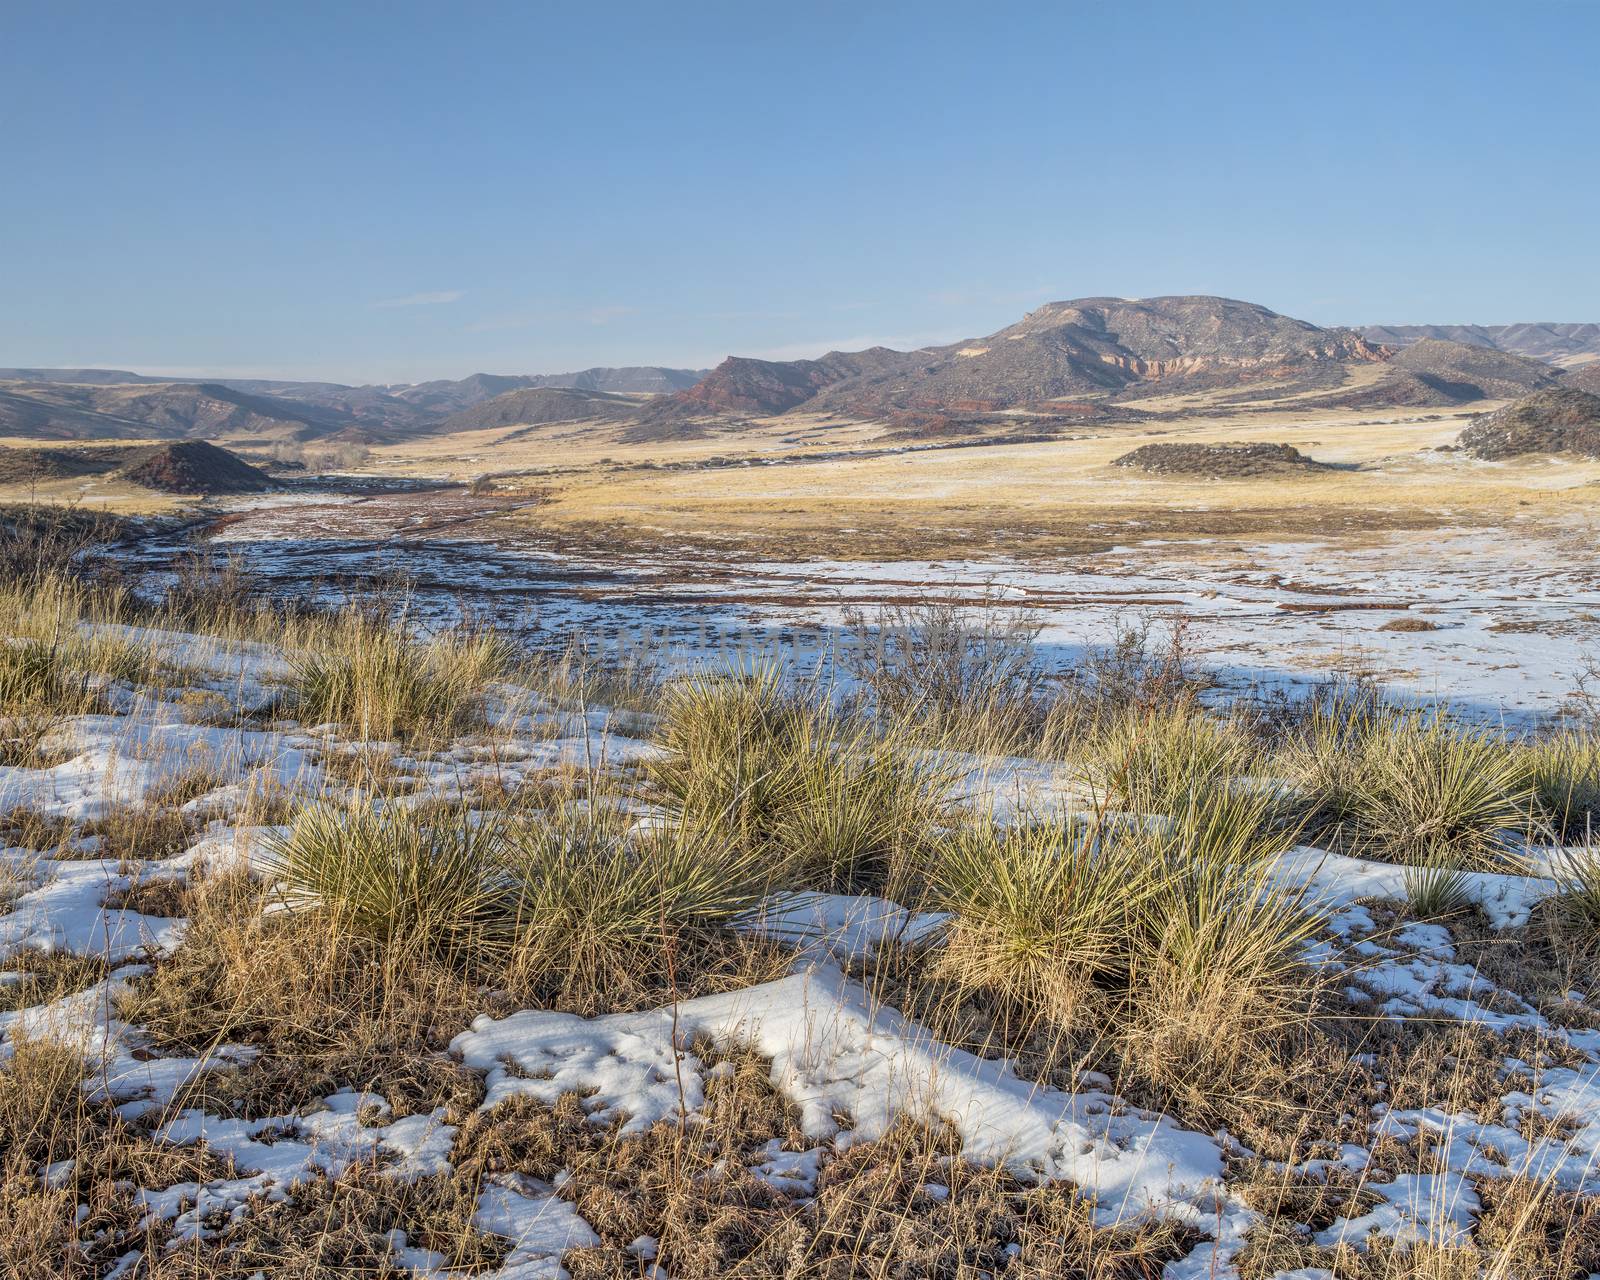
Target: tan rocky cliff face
{"type": "Point", "coordinates": [1354, 349]}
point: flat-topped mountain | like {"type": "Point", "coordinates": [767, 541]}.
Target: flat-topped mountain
{"type": "Point", "coordinates": [1112, 348]}
{"type": "Point", "coordinates": [1095, 355]}
{"type": "Point", "coordinates": [88, 377]}
{"type": "Point", "coordinates": [632, 380]}
{"type": "Point", "coordinates": [451, 396]}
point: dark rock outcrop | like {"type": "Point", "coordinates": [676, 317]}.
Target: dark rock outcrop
{"type": "Point", "coordinates": [193, 466]}
{"type": "Point", "coordinates": [1565, 420]}
{"type": "Point", "coordinates": [1220, 461]}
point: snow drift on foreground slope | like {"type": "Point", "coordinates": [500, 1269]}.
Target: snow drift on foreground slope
{"type": "Point", "coordinates": [834, 1053]}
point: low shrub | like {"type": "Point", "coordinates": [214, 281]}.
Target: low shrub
{"type": "Point", "coordinates": [967, 673]}
{"type": "Point", "coordinates": [581, 678]}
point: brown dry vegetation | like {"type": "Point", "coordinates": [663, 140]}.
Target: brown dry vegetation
{"type": "Point", "coordinates": [1157, 956]}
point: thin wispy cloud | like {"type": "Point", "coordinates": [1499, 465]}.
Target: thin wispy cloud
{"type": "Point", "coordinates": [421, 299]}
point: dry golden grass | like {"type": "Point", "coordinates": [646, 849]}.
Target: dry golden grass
{"type": "Point", "coordinates": [107, 493]}
{"type": "Point", "coordinates": [1063, 494]}
{"type": "Point", "coordinates": [574, 480]}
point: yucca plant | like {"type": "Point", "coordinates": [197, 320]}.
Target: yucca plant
{"type": "Point", "coordinates": [831, 801]}
{"type": "Point", "coordinates": [1436, 891]}
{"type": "Point", "coordinates": [1564, 773]}
{"type": "Point", "coordinates": [1577, 901]}
{"type": "Point", "coordinates": [429, 879]}
{"type": "Point", "coordinates": [861, 807]}
{"type": "Point", "coordinates": [723, 739]}
{"type": "Point", "coordinates": [603, 912]}
{"type": "Point", "coordinates": [1039, 913]}
{"type": "Point", "coordinates": [1323, 760]}
{"type": "Point", "coordinates": [33, 674]}
{"type": "Point", "coordinates": [377, 679]}
{"type": "Point", "coordinates": [1218, 952]}
{"type": "Point", "coordinates": [63, 676]}
{"type": "Point", "coordinates": [1157, 760]}
{"type": "Point", "coordinates": [1432, 794]}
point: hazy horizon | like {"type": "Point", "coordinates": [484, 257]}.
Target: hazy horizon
{"type": "Point", "coordinates": [797, 351]}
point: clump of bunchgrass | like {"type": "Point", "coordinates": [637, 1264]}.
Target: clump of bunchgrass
{"type": "Point", "coordinates": [42, 681]}
{"type": "Point", "coordinates": [325, 1007]}
{"type": "Point", "coordinates": [401, 877]}
{"type": "Point", "coordinates": [384, 684]}
{"type": "Point", "coordinates": [1218, 959]}
{"type": "Point", "coordinates": [42, 1106]}
{"type": "Point", "coordinates": [19, 874]}
{"type": "Point", "coordinates": [832, 800]}
{"type": "Point", "coordinates": [1038, 914]}
{"type": "Point", "coordinates": [34, 673]}
{"type": "Point", "coordinates": [60, 645]}
{"type": "Point", "coordinates": [38, 977]}
{"type": "Point", "coordinates": [608, 916]}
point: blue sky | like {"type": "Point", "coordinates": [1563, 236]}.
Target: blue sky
{"type": "Point", "coordinates": [401, 191]}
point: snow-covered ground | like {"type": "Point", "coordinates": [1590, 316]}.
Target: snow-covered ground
{"type": "Point", "coordinates": [849, 1063]}
{"type": "Point", "coordinates": [1513, 618]}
